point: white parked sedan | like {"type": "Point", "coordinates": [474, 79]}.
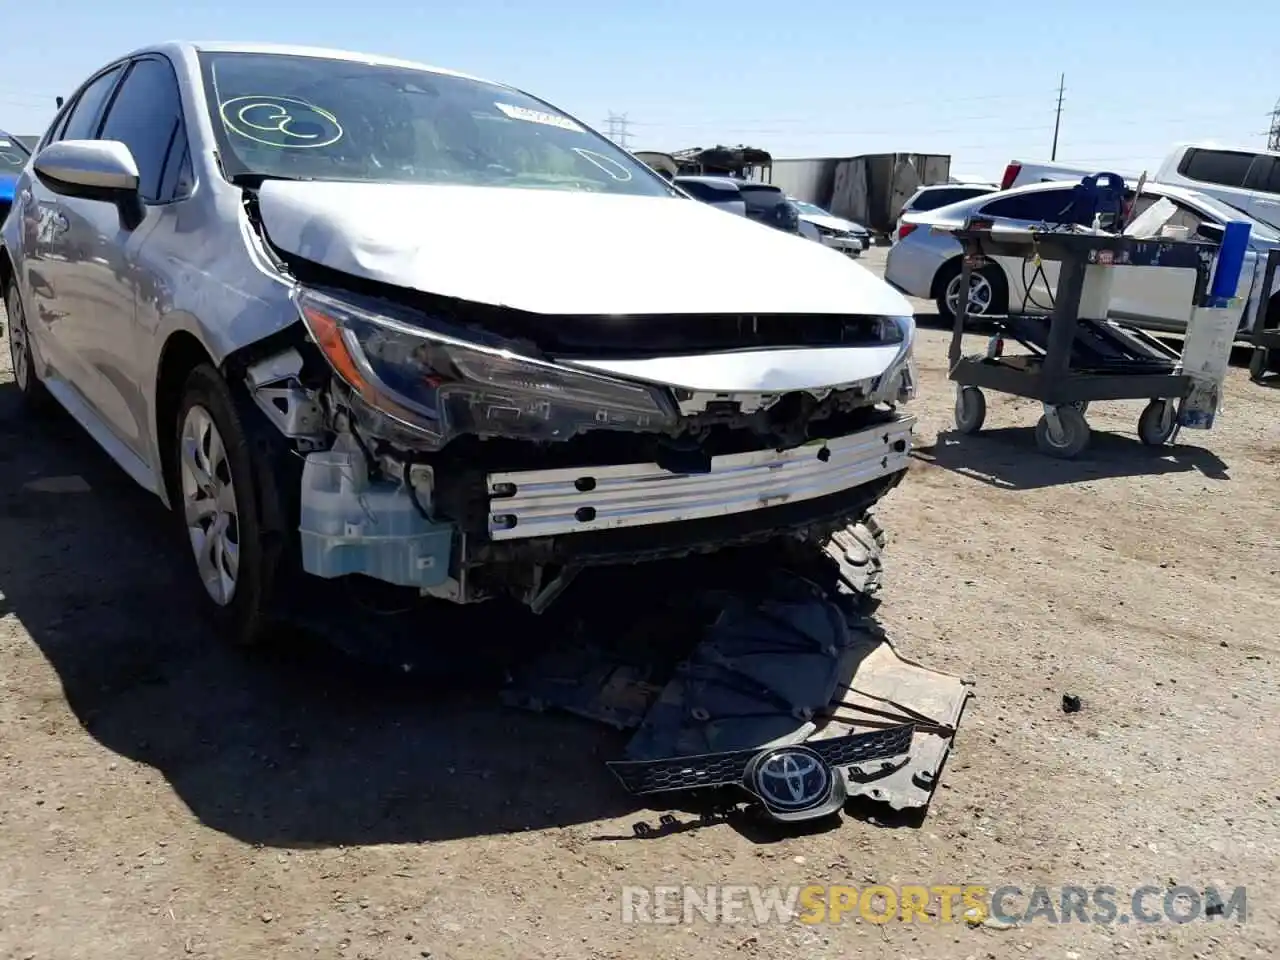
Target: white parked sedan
{"type": "Point", "coordinates": [924, 263]}
{"type": "Point", "coordinates": [835, 232]}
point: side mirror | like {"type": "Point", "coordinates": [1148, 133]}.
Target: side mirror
{"type": "Point", "coordinates": [102, 170]}
{"type": "Point", "coordinates": [1210, 230]}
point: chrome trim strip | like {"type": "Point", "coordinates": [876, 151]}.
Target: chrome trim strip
{"type": "Point", "coordinates": [546, 503]}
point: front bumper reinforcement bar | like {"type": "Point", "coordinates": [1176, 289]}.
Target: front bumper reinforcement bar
{"type": "Point", "coordinates": [544, 503]}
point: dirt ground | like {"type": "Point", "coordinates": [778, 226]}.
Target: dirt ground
{"type": "Point", "coordinates": [166, 797]}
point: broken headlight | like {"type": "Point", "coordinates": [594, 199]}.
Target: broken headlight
{"type": "Point", "coordinates": [441, 385]}
{"type": "Point", "coordinates": [898, 382]}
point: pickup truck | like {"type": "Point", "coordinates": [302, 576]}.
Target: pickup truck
{"type": "Point", "coordinates": [1020, 172]}
{"type": "Point", "coordinates": [1246, 179]}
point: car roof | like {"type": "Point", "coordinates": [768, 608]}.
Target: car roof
{"type": "Point", "coordinates": [720, 183]}
{"type": "Point", "coordinates": [708, 178]}
{"type": "Point", "coordinates": [1159, 189]}
{"type": "Point", "coordinates": [959, 186]}
{"type": "Point", "coordinates": [1184, 194]}
{"type": "Point", "coordinates": [189, 48]}
{"type": "Point", "coordinates": [4, 134]}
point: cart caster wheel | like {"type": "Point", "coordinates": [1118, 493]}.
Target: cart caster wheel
{"type": "Point", "coordinates": [1082, 406]}
{"type": "Point", "coordinates": [1072, 440]}
{"type": "Point", "coordinates": [971, 409]}
{"type": "Point", "coordinates": [1157, 423]}
{"type": "Point", "coordinates": [1258, 363]}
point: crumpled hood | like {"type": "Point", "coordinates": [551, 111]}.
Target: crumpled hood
{"type": "Point", "coordinates": [833, 223]}
{"type": "Point", "coordinates": [561, 252]}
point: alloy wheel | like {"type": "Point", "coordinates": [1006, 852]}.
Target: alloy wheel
{"type": "Point", "coordinates": [209, 505]}
{"type": "Point", "coordinates": [980, 294]}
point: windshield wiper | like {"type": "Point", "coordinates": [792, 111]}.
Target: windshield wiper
{"type": "Point", "coordinates": [557, 179]}
{"type": "Point", "coordinates": [254, 180]}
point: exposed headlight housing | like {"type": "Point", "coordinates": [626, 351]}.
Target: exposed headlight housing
{"type": "Point", "coordinates": [442, 386]}
{"type": "Point", "coordinates": [898, 383]}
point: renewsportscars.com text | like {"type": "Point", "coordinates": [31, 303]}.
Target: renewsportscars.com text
{"type": "Point", "coordinates": [934, 903]}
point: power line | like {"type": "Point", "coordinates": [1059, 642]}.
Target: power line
{"type": "Point", "coordinates": [879, 101]}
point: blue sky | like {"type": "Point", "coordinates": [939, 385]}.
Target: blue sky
{"type": "Point", "coordinates": [826, 79]}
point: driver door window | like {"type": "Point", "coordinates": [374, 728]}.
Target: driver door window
{"type": "Point", "coordinates": [146, 116]}
{"type": "Point", "coordinates": [1184, 217]}
{"type": "Point", "coordinates": [1041, 206]}
{"type": "Point", "coordinates": [81, 122]}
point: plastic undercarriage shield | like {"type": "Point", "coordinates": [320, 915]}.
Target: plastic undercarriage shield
{"type": "Point", "coordinates": [791, 698]}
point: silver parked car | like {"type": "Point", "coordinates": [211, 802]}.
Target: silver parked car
{"type": "Point", "coordinates": [937, 195]}
{"type": "Point", "coordinates": [266, 280]}
{"type": "Point", "coordinates": [924, 263]}
{"type": "Point", "coordinates": [836, 232]}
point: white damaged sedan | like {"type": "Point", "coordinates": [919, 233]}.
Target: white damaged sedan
{"type": "Point", "coordinates": [361, 316]}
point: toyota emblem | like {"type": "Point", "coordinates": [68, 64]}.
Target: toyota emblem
{"type": "Point", "coordinates": [790, 779]}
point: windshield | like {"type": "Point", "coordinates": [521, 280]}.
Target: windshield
{"type": "Point", "coordinates": [13, 155]}
{"type": "Point", "coordinates": [277, 115]}
{"type": "Point", "coordinates": [1226, 211]}
{"type": "Point", "coordinates": [809, 208]}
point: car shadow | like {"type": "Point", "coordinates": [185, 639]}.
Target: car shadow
{"type": "Point", "coordinates": [294, 745]}
{"type": "Point", "coordinates": [1008, 458]}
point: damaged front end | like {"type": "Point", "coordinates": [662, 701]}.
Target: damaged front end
{"type": "Point", "coordinates": [470, 452]}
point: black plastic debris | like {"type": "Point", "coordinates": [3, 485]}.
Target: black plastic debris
{"type": "Point", "coordinates": [1070, 703]}
{"type": "Point", "coordinates": [786, 696]}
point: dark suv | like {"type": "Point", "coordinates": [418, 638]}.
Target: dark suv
{"type": "Point", "coordinates": [762, 202]}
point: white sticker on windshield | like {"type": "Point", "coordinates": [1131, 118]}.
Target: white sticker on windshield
{"type": "Point", "coordinates": [4, 143]}
{"type": "Point", "coordinates": [538, 116]}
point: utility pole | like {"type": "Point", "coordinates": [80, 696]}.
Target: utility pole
{"type": "Point", "coordinates": [1057, 118]}
{"type": "Point", "coordinates": [618, 130]}
{"type": "Point", "coordinates": [1273, 135]}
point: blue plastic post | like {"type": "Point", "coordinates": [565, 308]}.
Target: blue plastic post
{"type": "Point", "coordinates": [1235, 241]}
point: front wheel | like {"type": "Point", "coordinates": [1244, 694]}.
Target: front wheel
{"type": "Point", "coordinates": [214, 494]}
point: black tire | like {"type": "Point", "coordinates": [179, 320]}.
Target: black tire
{"type": "Point", "coordinates": [858, 554]}
{"type": "Point", "coordinates": [971, 409]}
{"type": "Point", "coordinates": [994, 276]}
{"type": "Point", "coordinates": [35, 396]}
{"type": "Point", "coordinates": [1153, 428]}
{"type": "Point", "coordinates": [244, 619]}
{"type": "Point", "coordinates": [1075, 436]}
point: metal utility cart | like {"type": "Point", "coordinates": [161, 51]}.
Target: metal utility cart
{"type": "Point", "coordinates": [1128, 364]}
{"type": "Point", "coordinates": [1266, 329]}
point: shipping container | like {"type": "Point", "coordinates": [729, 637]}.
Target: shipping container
{"type": "Point", "coordinates": [868, 189]}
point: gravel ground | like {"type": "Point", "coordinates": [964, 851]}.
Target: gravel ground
{"type": "Point", "coordinates": [164, 797]}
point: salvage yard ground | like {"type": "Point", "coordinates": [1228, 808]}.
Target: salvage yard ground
{"type": "Point", "coordinates": [165, 797]}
